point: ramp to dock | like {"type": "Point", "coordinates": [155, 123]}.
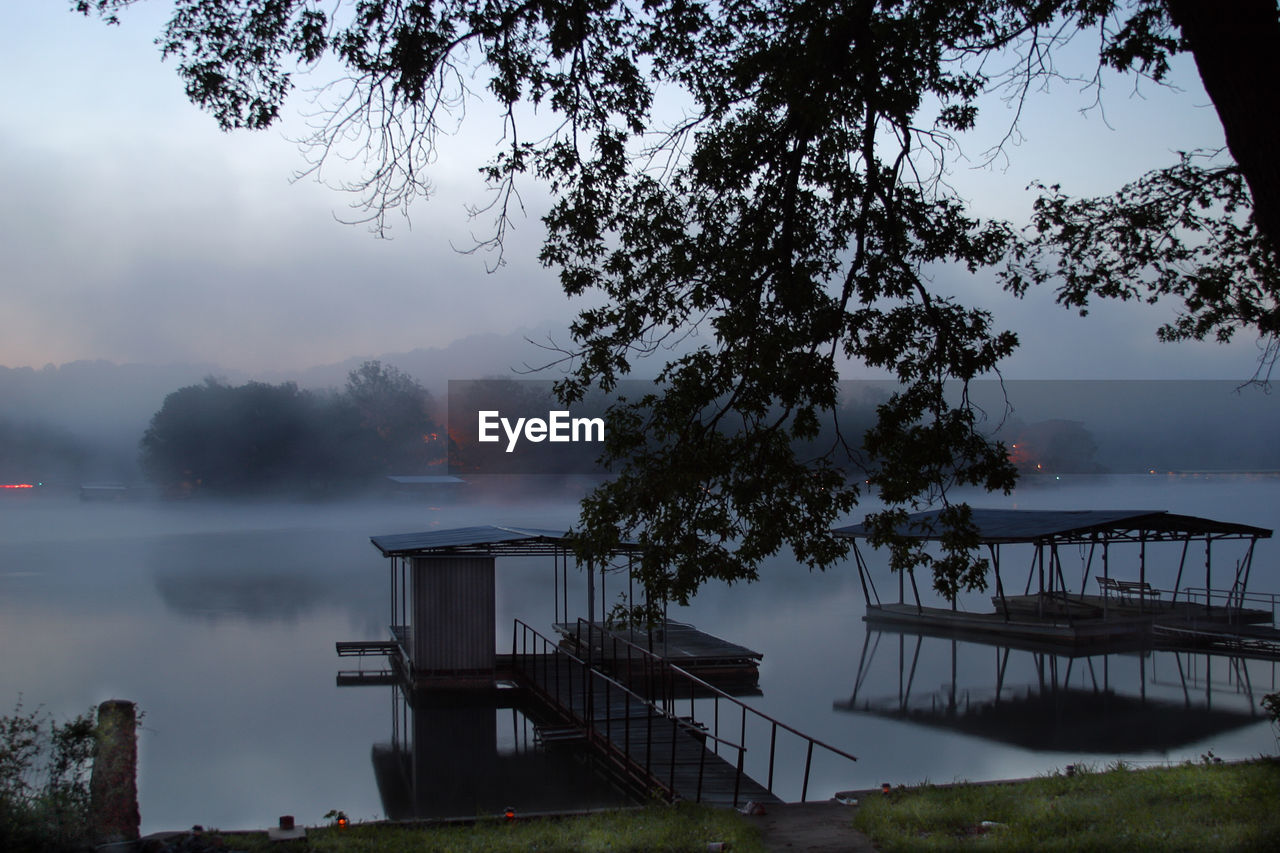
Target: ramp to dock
{"type": "Point", "coordinates": [630, 714]}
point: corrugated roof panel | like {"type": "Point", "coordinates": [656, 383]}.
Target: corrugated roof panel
{"type": "Point", "coordinates": [425, 479]}
{"type": "Point", "coordinates": [462, 538]}
{"type": "Point", "coordinates": [1024, 525]}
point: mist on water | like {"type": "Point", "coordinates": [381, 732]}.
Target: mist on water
{"type": "Point", "coordinates": [218, 613]}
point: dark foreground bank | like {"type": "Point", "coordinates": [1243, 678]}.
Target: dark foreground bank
{"type": "Point", "coordinates": [1208, 806]}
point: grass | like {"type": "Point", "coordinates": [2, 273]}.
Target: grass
{"type": "Point", "coordinates": [1209, 807]}
{"type": "Point", "coordinates": [667, 829]}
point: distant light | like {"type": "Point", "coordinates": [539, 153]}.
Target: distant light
{"type": "Point", "coordinates": [509, 814]}
{"type": "Point", "coordinates": [17, 486]}
{"type": "Point", "coordinates": [342, 823]}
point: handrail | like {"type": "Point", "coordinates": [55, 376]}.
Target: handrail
{"type": "Point", "coordinates": [716, 694]}
{"type": "Point", "coordinates": [1233, 598]}
{"type": "Point", "coordinates": [589, 719]}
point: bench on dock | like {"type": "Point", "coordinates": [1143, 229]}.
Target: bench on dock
{"type": "Point", "coordinates": [366, 648]}
{"type": "Point", "coordinates": [1128, 589]}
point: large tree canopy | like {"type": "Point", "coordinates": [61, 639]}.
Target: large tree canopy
{"type": "Point", "coordinates": [256, 438]}
{"type": "Point", "coordinates": [791, 209]}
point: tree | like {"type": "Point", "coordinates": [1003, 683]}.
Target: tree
{"type": "Point", "coordinates": [256, 437]}
{"type": "Point", "coordinates": [394, 432]}
{"type": "Point", "coordinates": [1205, 230]}
{"type": "Point", "coordinates": [792, 211]}
{"type": "Point", "coordinates": [227, 440]}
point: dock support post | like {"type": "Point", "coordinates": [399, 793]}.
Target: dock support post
{"type": "Point", "coordinates": [1088, 566]}
{"type": "Point", "coordinates": [995, 564]}
{"type": "Point", "coordinates": [1208, 587]}
{"type": "Point", "coordinates": [1177, 583]}
{"type": "Point", "coordinates": [916, 591]}
{"type": "Point", "coordinates": [1106, 573]}
{"type": "Point", "coordinates": [1040, 564]}
{"type": "Point", "coordinates": [1142, 570]}
{"type": "Point", "coordinates": [591, 592]}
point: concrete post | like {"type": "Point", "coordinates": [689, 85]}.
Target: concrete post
{"type": "Point", "coordinates": [113, 786]}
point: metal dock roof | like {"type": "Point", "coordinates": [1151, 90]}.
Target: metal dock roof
{"type": "Point", "coordinates": [998, 526]}
{"type": "Point", "coordinates": [469, 540]}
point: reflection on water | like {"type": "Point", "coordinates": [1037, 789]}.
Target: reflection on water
{"type": "Point", "coordinates": [459, 754]}
{"type": "Point", "coordinates": [1060, 700]}
{"type": "Point", "coordinates": [269, 575]}
{"type": "Point", "coordinates": [221, 622]}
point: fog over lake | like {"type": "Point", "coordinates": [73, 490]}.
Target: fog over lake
{"type": "Point", "coordinates": [220, 620]}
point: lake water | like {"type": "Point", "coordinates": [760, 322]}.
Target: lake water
{"type": "Point", "coordinates": [220, 622]}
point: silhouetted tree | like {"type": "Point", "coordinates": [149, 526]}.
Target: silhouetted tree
{"type": "Point", "coordinates": [256, 437]}
{"type": "Point", "coordinates": [397, 431]}
{"type": "Point", "coordinates": [229, 440]}
{"type": "Point", "coordinates": [793, 209]}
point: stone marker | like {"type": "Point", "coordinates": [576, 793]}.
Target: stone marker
{"type": "Point", "coordinates": [113, 786]}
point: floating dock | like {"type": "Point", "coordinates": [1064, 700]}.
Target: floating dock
{"type": "Point", "coordinates": [722, 663]}
{"type": "Point", "coordinates": [1123, 612]}
{"type": "Point", "coordinates": [632, 697]}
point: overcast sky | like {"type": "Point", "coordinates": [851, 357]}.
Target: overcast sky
{"type": "Point", "coordinates": [134, 231]}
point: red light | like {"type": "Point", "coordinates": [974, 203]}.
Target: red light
{"type": "Point", "coordinates": [17, 485]}
{"type": "Point", "coordinates": [342, 823]}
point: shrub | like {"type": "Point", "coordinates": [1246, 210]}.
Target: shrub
{"type": "Point", "coordinates": [44, 781]}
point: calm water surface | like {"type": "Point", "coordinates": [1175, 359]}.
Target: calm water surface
{"type": "Point", "coordinates": [219, 621]}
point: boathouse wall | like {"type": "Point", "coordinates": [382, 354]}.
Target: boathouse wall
{"type": "Point", "coordinates": [453, 614]}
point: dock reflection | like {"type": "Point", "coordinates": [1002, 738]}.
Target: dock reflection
{"type": "Point", "coordinates": [477, 753]}
{"type": "Point", "coordinates": [1054, 698]}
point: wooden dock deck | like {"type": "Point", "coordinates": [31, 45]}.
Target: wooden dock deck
{"type": "Point", "coordinates": [726, 665]}
{"type": "Point", "coordinates": [1077, 620]}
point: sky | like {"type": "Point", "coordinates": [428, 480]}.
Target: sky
{"type": "Point", "coordinates": [135, 231]}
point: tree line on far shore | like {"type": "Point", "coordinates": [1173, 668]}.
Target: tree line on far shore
{"type": "Point", "coordinates": [219, 439]}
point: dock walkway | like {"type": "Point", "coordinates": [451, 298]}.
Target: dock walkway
{"type": "Point", "coordinates": [648, 743]}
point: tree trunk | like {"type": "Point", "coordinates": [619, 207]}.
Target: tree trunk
{"type": "Point", "coordinates": [1236, 46]}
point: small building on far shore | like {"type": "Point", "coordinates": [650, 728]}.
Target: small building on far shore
{"type": "Point", "coordinates": [422, 485]}
{"type": "Point", "coordinates": [104, 492]}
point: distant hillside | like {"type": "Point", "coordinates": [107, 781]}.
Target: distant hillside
{"type": "Point", "coordinates": [103, 408]}
{"type": "Point", "coordinates": [1158, 424]}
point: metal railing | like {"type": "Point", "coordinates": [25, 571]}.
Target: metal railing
{"type": "Point", "coordinates": [669, 686]}
{"type": "Point", "coordinates": [1232, 599]}
{"type": "Point", "coordinates": [587, 697]}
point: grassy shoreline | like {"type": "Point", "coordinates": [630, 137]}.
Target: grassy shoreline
{"type": "Point", "coordinates": [684, 828]}
{"type": "Point", "coordinates": [1209, 806]}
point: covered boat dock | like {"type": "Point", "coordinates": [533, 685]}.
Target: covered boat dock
{"type": "Point", "coordinates": [1120, 608]}
{"type": "Point", "coordinates": [442, 606]}
{"type": "Point", "coordinates": [628, 693]}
